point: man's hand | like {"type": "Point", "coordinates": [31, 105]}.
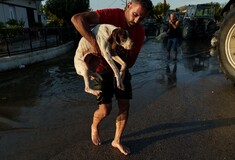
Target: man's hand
{"type": "Point", "coordinates": [81, 22]}
{"type": "Point", "coordinates": [170, 22]}
{"type": "Point", "coordinates": [96, 49]}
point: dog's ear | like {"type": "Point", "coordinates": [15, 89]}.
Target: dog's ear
{"type": "Point", "coordinates": [117, 35]}
{"type": "Point", "coordinates": [114, 39]}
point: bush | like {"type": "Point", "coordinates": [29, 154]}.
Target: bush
{"type": "Point", "coordinates": [2, 25]}
{"type": "Point", "coordinates": [13, 22]}
{"type": "Point", "coordinates": [13, 28]}
{"type": "Point", "coordinates": [53, 24]}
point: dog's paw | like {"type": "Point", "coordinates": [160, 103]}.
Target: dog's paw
{"type": "Point", "coordinates": [97, 92]}
{"type": "Point", "coordinates": [94, 92]}
{"type": "Point", "coordinates": [121, 87]}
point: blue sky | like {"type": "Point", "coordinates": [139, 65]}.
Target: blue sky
{"type": "Point", "coordinates": [99, 4]}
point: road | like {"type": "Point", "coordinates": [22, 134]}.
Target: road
{"type": "Point", "coordinates": [180, 111]}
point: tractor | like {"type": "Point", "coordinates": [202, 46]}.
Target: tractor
{"type": "Point", "coordinates": [199, 21]}
{"type": "Point", "coordinates": [223, 43]}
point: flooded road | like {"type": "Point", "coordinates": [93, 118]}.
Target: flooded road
{"type": "Point", "coordinates": [45, 113]}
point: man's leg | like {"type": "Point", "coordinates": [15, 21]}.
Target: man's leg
{"type": "Point", "coordinates": [121, 120]}
{"type": "Point", "coordinates": [105, 104]}
{"type": "Point", "coordinates": [102, 112]}
{"type": "Point", "coordinates": [169, 44]}
{"type": "Point", "coordinates": [175, 47]}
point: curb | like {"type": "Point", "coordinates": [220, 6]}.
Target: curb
{"type": "Point", "coordinates": [20, 61]}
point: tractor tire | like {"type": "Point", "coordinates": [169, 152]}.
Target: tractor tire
{"type": "Point", "coordinates": [225, 45]}
{"type": "Point", "coordinates": [188, 30]}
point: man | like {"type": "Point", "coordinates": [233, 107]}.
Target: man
{"type": "Point", "coordinates": [128, 19]}
{"type": "Point", "coordinates": [173, 36]}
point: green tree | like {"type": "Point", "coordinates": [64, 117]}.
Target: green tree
{"type": "Point", "coordinates": [52, 20]}
{"type": "Point", "coordinates": [159, 10]}
{"type": "Point", "coordinates": [64, 9]}
{"type": "Point", "coordinates": [218, 10]}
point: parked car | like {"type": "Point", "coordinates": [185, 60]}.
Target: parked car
{"type": "Point", "coordinates": [151, 26]}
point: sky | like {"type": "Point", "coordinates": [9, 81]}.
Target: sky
{"type": "Point", "coordinates": [100, 4]}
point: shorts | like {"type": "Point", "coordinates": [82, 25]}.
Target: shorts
{"type": "Point", "coordinates": [109, 87]}
{"type": "Point", "coordinates": [172, 42]}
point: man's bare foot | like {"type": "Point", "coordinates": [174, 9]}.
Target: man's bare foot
{"type": "Point", "coordinates": [95, 136]}
{"type": "Point", "coordinates": [123, 149]}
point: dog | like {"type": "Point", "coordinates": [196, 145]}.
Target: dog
{"type": "Point", "coordinates": [214, 42]}
{"type": "Point", "coordinates": [108, 38]}
{"type": "Point", "coordinates": [161, 36]}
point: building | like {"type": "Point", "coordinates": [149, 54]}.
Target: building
{"type": "Point", "coordinates": [26, 11]}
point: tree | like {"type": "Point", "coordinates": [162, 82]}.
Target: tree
{"type": "Point", "coordinates": [52, 20]}
{"type": "Point", "coordinates": [65, 9]}
{"type": "Point", "coordinates": [160, 9]}
{"type": "Point", "coordinates": [218, 10]}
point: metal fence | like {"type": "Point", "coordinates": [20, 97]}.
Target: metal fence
{"type": "Point", "coordinates": [26, 40]}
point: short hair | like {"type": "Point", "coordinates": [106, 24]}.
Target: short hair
{"type": "Point", "coordinates": [147, 4]}
{"type": "Point", "coordinates": [174, 15]}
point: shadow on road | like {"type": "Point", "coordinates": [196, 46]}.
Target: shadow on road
{"type": "Point", "coordinates": [150, 134]}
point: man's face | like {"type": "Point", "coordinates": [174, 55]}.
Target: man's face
{"type": "Point", "coordinates": [172, 17]}
{"type": "Point", "coordinates": [134, 14]}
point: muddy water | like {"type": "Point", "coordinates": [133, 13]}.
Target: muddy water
{"type": "Point", "coordinates": [35, 102]}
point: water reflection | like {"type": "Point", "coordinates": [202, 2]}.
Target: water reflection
{"type": "Point", "coordinates": [200, 62]}
{"type": "Point", "coordinates": [33, 94]}
{"type": "Point", "coordinates": [194, 47]}
{"type": "Point", "coordinates": [45, 98]}
{"type": "Point", "coordinates": [171, 74]}
{"type": "Point", "coordinates": [195, 53]}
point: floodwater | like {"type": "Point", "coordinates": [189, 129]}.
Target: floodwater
{"type": "Point", "coordinates": [54, 84]}
{"type": "Point", "coordinates": [44, 109]}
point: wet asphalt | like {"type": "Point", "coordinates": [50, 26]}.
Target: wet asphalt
{"type": "Point", "coordinates": [183, 110]}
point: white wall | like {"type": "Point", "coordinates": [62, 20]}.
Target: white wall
{"type": "Point", "coordinates": [22, 15]}
{"type": "Point", "coordinates": [19, 7]}
{"type": "Point", "coordinates": [22, 60]}
{"type": "Point", "coordinates": [4, 13]}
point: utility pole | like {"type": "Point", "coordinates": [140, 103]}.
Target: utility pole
{"type": "Point", "coordinates": [164, 7]}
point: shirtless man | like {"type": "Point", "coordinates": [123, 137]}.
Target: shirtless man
{"type": "Point", "coordinates": [128, 19]}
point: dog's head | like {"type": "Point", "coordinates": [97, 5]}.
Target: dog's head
{"type": "Point", "coordinates": [120, 37]}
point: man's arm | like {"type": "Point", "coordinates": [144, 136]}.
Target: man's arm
{"type": "Point", "coordinates": [174, 25]}
{"type": "Point", "coordinates": [81, 22]}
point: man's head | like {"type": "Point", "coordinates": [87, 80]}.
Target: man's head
{"type": "Point", "coordinates": [137, 10]}
{"type": "Point", "coordinates": [173, 17]}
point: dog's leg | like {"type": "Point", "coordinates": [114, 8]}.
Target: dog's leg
{"type": "Point", "coordinates": [105, 51]}
{"type": "Point", "coordinates": [117, 59]}
{"type": "Point", "coordinates": [82, 69]}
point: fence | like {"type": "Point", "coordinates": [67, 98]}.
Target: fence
{"type": "Point", "coordinates": [19, 41]}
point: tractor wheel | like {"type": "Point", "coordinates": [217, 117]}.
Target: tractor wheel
{"type": "Point", "coordinates": [225, 45]}
{"type": "Point", "coordinates": [188, 29]}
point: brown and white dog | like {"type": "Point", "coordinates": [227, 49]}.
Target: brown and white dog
{"type": "Point", "coordinates": [108, 37]}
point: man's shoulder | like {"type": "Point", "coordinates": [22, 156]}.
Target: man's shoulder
{"type": "Point", "coordinates": [111, 10]}
{"type": "Point", "coordinates": [138, 29]}
{"type": "Point", "coordinates": [113, 16]}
